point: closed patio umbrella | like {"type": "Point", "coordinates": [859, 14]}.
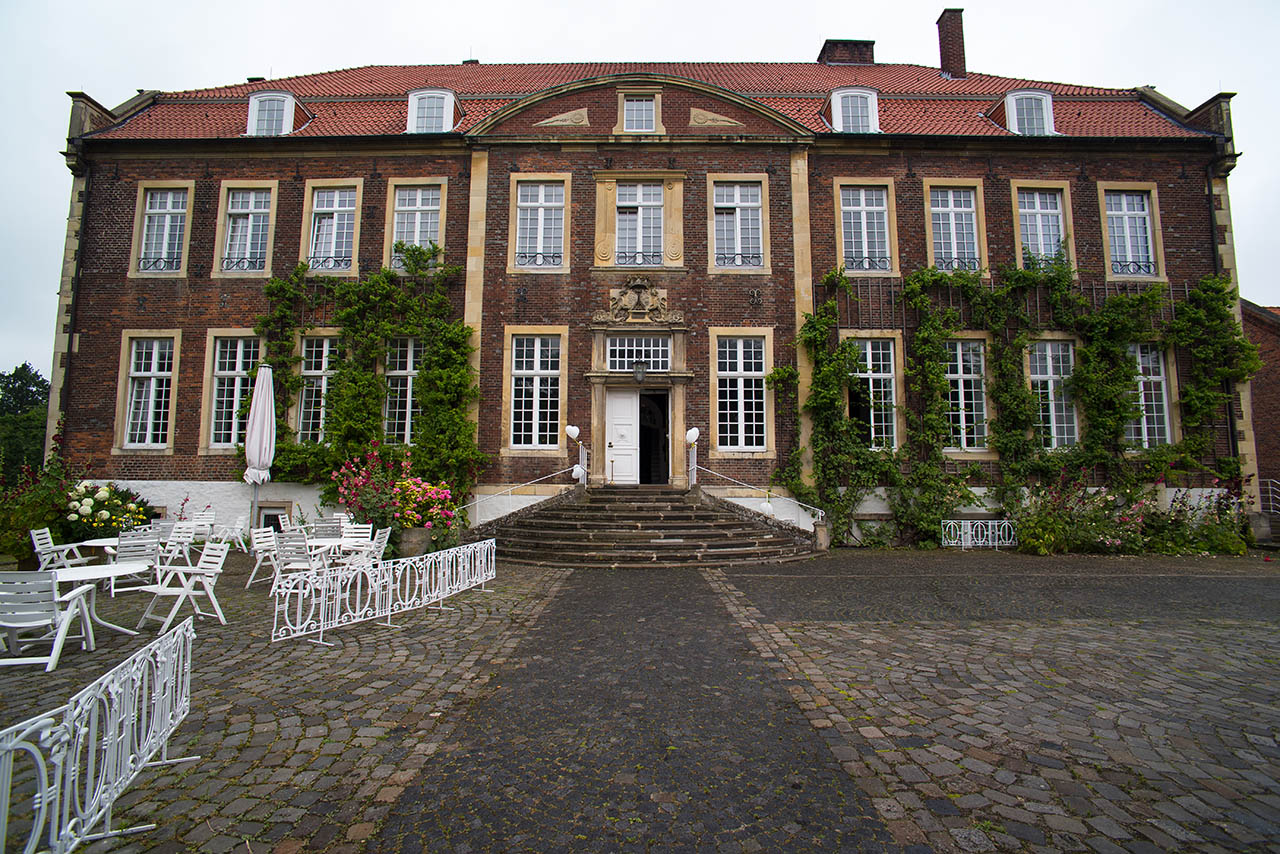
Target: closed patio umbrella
{"type": "Point", "coordinates": [260, 437]}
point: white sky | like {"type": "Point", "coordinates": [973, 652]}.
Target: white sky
{"type": "Point", "coordinates": [1185, 48]}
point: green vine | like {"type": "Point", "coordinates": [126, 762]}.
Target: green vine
{"type": "Point", "coordinates": [370, 313]}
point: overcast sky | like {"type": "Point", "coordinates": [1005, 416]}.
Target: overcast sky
{"type": "Point", "coordinates": [1186, 49]}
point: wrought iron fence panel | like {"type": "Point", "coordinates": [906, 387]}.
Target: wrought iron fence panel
{"type": "Point", "coordinates": [318, 600]}
{"type": "Point", "coordinates": [979, 533]}
{"type": "Point", "coordinates": [84, 754]}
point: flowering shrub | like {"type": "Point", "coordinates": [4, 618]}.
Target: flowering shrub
{"type": "Point", "coordinates": [424, 505]}
{"type": "Point", "coordinates": [1068, 517]}
{"type": "Point", "coordinates": [103, 510]}
{"type": "Point", "coordinates": [377, 487]}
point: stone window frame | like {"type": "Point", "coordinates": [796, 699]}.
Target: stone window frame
{"type": "Point", "coordinates": [1157, 235]}
{"type": "Point", "coordinates": [220, 231]}
{"type": "Point", "coordinates": [206, 447]}
{"type": "Point", "coordinates": [308, 204]}
{"type": "Point", "coordinates": [715, 452]}
{"type": "Point", "coordinates": [607, 216]}
{"type": "Point", "coordinates": [761, 178]}
{"type": "Point", "coordinates": [121, 426]}
{"type": "Point", "coordinates": [139, 227]}
{"type": "Point", "coordinates": [837, 184]}
{"type": "Point", "coordinates": [980, 218]}
{"type": "Point", "coordinates": [509, 333]}
{"type": "Point", "coordinates": [1068, 222]}
{"type": "Point", "coordinates": [659, 129]}
{"type": "Point", "coordinates": [389, 235]}
{"type": "Point", "coordinates": [899, 376]}
{"type": "Point", "coordinates": [1054, 336]}
{"type": "Point", "coordinates": [984, 453]}
{"type": "Point", "coordinates": [517, 178]}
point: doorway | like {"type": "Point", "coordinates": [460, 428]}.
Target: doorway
{"type": "Point", "coordinates": [655, 437]}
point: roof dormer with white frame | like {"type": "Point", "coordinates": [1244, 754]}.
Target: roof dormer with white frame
{"type": "Point", "coordinates": [431, 111]}
{"type": "Point", "coordinates": [271, 113]}
{"type": "Point", "coordinates": [1029, 112]}
{"type": "Point", "coordinates": [855, 110]}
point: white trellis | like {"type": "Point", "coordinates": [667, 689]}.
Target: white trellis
{"type": "Point", "coordinates": [319, 600]}
{"type": "Point", "coordinates": [979, 533]}
{"type": "Point", "coordinates": [63, 770]}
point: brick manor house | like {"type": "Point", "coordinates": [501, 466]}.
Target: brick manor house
{"type": "Point", "coordinates": [640, 243]}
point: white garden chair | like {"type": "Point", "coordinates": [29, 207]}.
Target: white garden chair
{"type": "Point", "coordinates": [136, 546]}
{"type": "Point", "coordinates": [357, 533]}
{"type": "Point", "coordinates": [51, 555]}
{"type": "Point", "coordinates": [29, 602]}
{"type": "Point", "coordinates": [179, 542]}
{"type": "Point", "coordinates": [205, 521]}
{"type": "Point", "coordinates": [263, 543]}
{"type": "Point", "coordinates": [187, 584]}
{"type": "Point", "coordinates": [233, 534]}
{"type": "Point", "coordinates": [294, 554]}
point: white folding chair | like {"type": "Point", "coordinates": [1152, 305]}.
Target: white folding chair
{"type": "Point", "coordinates": [29, 601]}
{"type": "Point", "coordinates": [263, 543]}
{"type": "Point", "coordinates": [293, 553]}
{"type": "Point", "coordinates": [136, 546]}
{"type": "Point", "coordinates": [233, 534]}
{"type": "Point", "coordinates": [187, 584]}
{"type": "Point", "coordinates": [205, 521]}
{"type": "Point", "coordinates": [51, 555]}
{"type": "Point", "coordinates": [179, 542]}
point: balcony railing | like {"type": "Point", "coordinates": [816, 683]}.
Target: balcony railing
{"type": "Point", "coordinates": [1133, 268]}
{"type": "Point", "coordinates": [539, 259]}
{"type": "Point", "coordinates": [867, 262]}
{"type": "Point", "coordinates": [639, 259]}
{"type": "Point", "coordinates": [163, 264]}
{"type": "Point", "coordinates": [330, 262]}
{"type": "Point", "coordinates": [957, 264]}
{"type": "Point", "coordinates": [232, 263]}
{"type": "Point", "coordinates": [739, 259]}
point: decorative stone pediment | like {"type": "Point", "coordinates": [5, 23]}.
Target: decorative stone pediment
{"type": "Point", "coordinates": [573, 118]}
{"type": "Point", "coordinates": [638, 300]}
{"type": "Point", "coordinates": [706, 118]}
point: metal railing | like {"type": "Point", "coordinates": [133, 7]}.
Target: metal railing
{"type": "Point", "coordinates": [74, 762]}
{"type": "Point", "coordinates": [979, 533]}
{"type": "Point", "coordinates": [1269, 496]}
{"type": "Point", "coordinates": [694, 468]}
{"type": "Point", "coordinates": [320, 600]}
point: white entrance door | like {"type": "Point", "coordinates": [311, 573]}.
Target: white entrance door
{"type": "Point", "coordinates": [622, 436]}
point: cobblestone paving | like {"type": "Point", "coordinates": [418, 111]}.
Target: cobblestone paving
{"type": "Point", "coordinates": [302, 746]}
{"type": "Point", "coordinates": [1000, 702]}
{"type": "Point", "coordinates": [865, 700]}
{"type": "Point", "coordinates": [639, 718]}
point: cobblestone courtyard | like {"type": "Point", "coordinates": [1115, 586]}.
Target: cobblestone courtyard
{"type": "Point", "coordinates": [859, 701]}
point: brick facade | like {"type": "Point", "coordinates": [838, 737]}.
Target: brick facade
{"type": "Point", "coordinates": [568, 129]}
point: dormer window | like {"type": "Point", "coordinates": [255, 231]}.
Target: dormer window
{"type": "Point", "coordinates": [638, 114]}
{"type": "Point", "coordinates": [1030, 113]}
{"type": "Point", "coordinates": [430, 111]}
{"type": "Point", "coordinates": [270, 114]}
{"type": "Point", "coordinates": [855, 111]}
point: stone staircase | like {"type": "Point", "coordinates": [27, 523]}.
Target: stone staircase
{"type": "Point", "coordinates": [619, 527]}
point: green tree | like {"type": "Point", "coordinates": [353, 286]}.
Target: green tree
{"type": "Point", "coordinates": [24, 401]}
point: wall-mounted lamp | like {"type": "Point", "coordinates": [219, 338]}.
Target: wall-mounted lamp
{"type": "Point", "coordinates": [638, 369]}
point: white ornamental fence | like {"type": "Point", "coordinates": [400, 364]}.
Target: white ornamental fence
{"type": "Point", "coordinates": [61, 772]}
{"type": "Point", "coordinates": [319, 600]}
{"type": "Point", "coordinates": [979, 533]}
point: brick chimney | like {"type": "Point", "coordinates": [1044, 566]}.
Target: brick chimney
{"type": "Point", "coordinates": [847, 52]}
{"type": "Point", "coordinates": [951, 42]}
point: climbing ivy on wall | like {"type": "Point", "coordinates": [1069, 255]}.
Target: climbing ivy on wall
{"type": "Point", "coordinates": [923, 485]}
{"type": "Point", "coordinates": [370, 313]}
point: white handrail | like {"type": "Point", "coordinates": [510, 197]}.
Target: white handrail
{"type": "Point", "coordinates": [514, 488]}
{"type": "Point", "coordinates": [768, 494]}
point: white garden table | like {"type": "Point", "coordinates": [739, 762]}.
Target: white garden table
{"type": "Point", "coordinates": [98, 572]}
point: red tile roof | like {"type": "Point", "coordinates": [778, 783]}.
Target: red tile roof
{"type": "Point", "coordinates": [913, 99]}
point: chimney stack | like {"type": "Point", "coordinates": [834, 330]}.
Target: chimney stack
{"type": "Point", "coordinates": [847, 52]}
{"type": "Point", "coordinates": [951, 42]}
